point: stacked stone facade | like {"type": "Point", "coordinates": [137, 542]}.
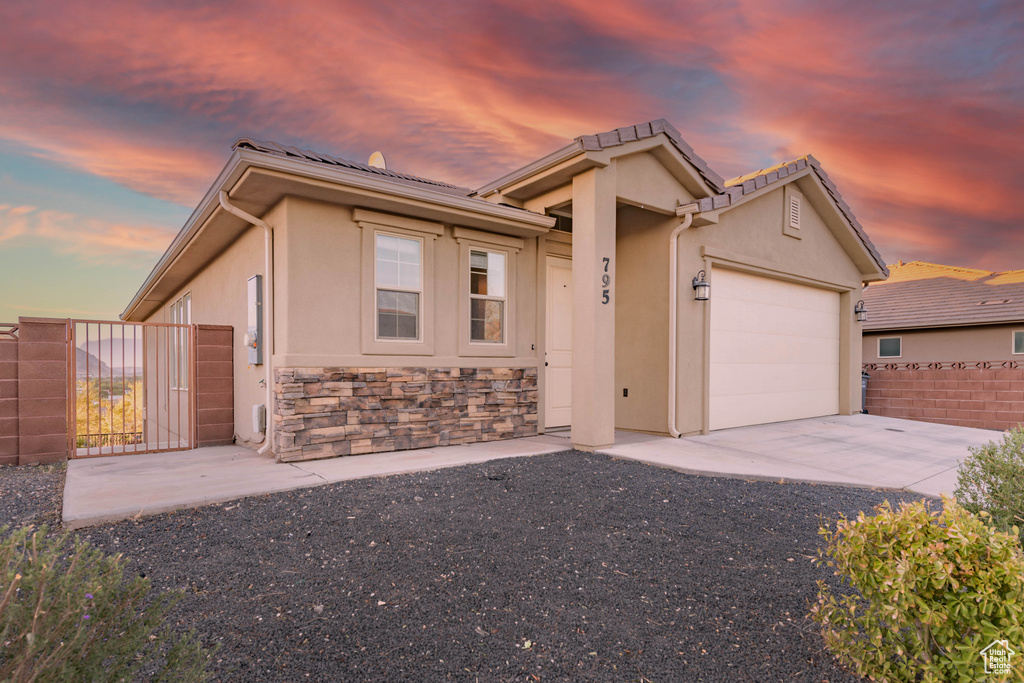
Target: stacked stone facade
{"type": "Point", "coordinates": [326, 412]}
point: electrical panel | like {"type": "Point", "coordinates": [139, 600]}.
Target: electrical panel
{"type": "Point", "coordinates": [254, 326]}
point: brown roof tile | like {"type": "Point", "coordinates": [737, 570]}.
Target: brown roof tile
{"type": "Point", "coordinates": [920, 294]}
{"type": "Point", "coordinates": [277, 149]}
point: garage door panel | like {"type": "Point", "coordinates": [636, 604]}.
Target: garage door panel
{"type": "Point", "coordinates": [772, 378]}
{"type": "Point", "coordinates": [748, 347]}
{"type": "Point", "coordinates": [774, 350]}
{"type": "Point", "coordinates": [762, 409]}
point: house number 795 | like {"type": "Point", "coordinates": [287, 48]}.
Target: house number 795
{"type": "Point", "coordinates": [606, 280]}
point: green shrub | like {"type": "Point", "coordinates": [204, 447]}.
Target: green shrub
{"type": "Point", "coordinates": [67, 613]}
{"type": "Point", "coordinates": [992, 479]}
{"type": "Point", "coordinates": [927, 592]}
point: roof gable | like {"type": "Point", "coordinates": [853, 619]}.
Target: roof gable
{"type": "Point", "coordinates": [920, 294]}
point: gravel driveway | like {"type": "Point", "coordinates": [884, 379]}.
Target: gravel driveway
{"type": "Point", "coordinates": [562, 567]}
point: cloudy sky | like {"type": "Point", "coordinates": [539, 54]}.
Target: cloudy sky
{"type": "Point", "coordinates": [115, 117]}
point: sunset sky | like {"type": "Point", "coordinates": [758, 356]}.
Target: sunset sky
{"type": "Point", "coordinates": [115, 117]}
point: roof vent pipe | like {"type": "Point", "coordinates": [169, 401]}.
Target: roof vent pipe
{"type": "Point", "coordinates": [268, 310]}
{"type": "Point", "coordinates": [673, 314]}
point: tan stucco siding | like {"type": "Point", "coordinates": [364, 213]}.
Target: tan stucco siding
{"type": "Point", "coordinates": [219, 297]}
{"type": "Point", "coordinates": [641, 320]}
{"type": "Point", "coordinates": [325, 268]}
{"type": "Point", "coordinates": [974, 343]}
{"type": "Point", "coordinates": [750, 238]}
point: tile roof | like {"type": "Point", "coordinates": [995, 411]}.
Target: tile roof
{"type": "Point", "coordinates": [752, 182]}
{"type": "Point", "coordinates": [280, 150]}
{"type": "Point", "coordinates": [620, 136]}
{"type": "Point", "coordinates": [920, 294]}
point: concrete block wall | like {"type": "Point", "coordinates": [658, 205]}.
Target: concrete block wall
{"type": "Point", "coordinates": [983, 397]}
{"type": "Point", "coordinates": [215, 399]}
{"type": "Point", "coordinates": [8, 397]}
{"type": "Point", "coordinates": [42, 391]}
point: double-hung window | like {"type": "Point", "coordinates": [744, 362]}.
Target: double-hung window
{"type": "Point", "coordinates": [399, 286]}
{"type": "Point", "coordinates": [181, 314]}
{"type": "Point", "coordinates": [487, 291]}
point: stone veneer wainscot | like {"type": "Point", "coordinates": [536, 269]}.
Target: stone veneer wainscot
{"type": "Point", "coordinates": [326, 412]}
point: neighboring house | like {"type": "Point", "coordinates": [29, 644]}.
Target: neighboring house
{"type": "Point", "coordinates": [406, 312]}
{"type": "Point", "coordinates": [946, 344]}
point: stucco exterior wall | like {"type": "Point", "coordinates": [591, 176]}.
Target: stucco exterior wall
{"type": "Point", "coordinates": [219, 297]}
{"type": "Point", "coordinates": [641, 320]}
{"type": "Point", "coordinates": [973, 343]}
{"type": "Point", "coordinates": [750, 238]}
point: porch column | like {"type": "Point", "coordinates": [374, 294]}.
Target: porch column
{"type": "Point", "coordinates": [593, 309]}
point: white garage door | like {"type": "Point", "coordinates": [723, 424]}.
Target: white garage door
{"type": "Point", "coordinates": [774, 350]}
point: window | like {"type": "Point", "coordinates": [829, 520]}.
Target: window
{"type": "Point", "coordinates": [890, 347]}
{"type": "Point", "coordinates": [399, 285]}
{"type": "Point", "coordinates": [486, 296]}
{"type": "Point", "coordinates": [1018, 341]}
{"type": "Point", "coordinates": [181, 314]}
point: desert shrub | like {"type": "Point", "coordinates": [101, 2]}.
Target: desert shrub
{"type": "Point", "coordinates": [924, 592]}
{"type": "Point", "coordinates": [68, 613]}
{"type": "Point", "coordinates": [992, 479]}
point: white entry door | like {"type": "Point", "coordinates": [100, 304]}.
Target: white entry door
{"type": "Point", "coordinates": [558, 348]}
{"type": "Point", "coordinates": [774, 350]}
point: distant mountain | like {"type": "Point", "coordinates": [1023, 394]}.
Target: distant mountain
{"type": "Point", "coordinates": [96, 367]}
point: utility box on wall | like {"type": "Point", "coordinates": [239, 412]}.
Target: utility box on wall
{"type": "Point", "coordinates": [254, 325]}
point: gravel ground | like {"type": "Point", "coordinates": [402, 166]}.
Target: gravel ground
{"type": "Point", "coordinates": [569, 566]}
{"type": "Point", "coordinates": [31, 495]}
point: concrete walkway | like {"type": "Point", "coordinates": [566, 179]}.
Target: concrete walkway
{"type": "Point", "coordinates": [855, 450]}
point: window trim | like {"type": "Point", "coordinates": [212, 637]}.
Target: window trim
{"type": "Point", "coordinates": [372, 223]}
{"type": "Point", "coordinates": [180, 338]}
{"type": "Point", "coordinates": [477, 240]}
{"type": "Point", "coordinates": [878, 348]}
{"type": "Point", "coordinates": [1013, 342]}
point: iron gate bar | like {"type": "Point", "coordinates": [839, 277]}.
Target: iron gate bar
{"type": "Point", "coordinates": [176, 342]}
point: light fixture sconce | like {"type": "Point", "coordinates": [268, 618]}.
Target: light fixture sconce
{"type": "Point", "coordinates": [701, 289]}
{"type": "Point", "coordinates": [862, 313]}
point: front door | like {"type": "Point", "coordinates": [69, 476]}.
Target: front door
{"type": "Point", "coordinates": [558, 348]}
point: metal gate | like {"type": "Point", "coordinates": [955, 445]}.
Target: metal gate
{"type": "Point", "coordinates": [131, 388]}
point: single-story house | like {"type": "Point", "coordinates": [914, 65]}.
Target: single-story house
{"type": "Point", "coordinates": [375, 310]}
{"type": "Point", "coordinates": [946, 344]}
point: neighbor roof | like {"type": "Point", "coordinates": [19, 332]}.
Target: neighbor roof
{"type": "Point", "coordinates": [277, 149]}
{"type": "Point", "coordinates": [919, 294]}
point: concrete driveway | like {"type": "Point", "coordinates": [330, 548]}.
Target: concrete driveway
{"type": "Point", "coordinates": [854, 450]}
{"type": "Point", "coordinates": [851, 450]}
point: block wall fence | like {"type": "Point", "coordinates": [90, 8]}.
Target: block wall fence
{"type": "Point", "coordinates": [983, 394]}
{"type": "Point", "coordinates": [34, 407]}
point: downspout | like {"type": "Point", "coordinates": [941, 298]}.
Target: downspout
{"type": "Point", "coordinates": [673, 281]}
{"type": "Point", "coordinates": [268, 311]}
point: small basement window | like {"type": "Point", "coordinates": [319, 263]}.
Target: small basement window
{"type": "Point", "coordinates": [890, 347]}
{"type": "Point", "coordinates": [1018, 341]}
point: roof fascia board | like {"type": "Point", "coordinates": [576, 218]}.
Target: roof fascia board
{"type": "Point", "coordinates": [896, 327]}
{"type": "Point", "coordinates": [544, 163]}
{"type": "Point", "coordinates": [241, 161]}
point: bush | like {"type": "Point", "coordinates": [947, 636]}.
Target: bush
{"type": "Point", "coordinates": [67, 613]}
{"type": "Point", "coordinates": [992, 479]}
{"type": "Point", "coordinates": [930, 591]}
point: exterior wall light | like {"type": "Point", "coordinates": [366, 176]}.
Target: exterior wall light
{"type": "Point", "coordinates": [701, 289]}
{"type": "Point", "coordinates": [862, 313]}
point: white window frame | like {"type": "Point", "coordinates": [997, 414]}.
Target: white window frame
{"type": "Point", "coordinates": [371, 223]}
{"type": "Point", "coordinates": [377, 288]}
{"type": "Point", "coordinates": [180, 313]}
{"type": "Point", "coordinates": [879, 347]}
{"type": "Point", "coordinates": [489, 297]}
{"type": "Point", "coordinates": [470, 240]}
{"type": "Point", "coordinates": [1013, 342]}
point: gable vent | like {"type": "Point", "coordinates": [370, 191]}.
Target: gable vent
{"type": "Point", "coordinates": [794, 211]}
